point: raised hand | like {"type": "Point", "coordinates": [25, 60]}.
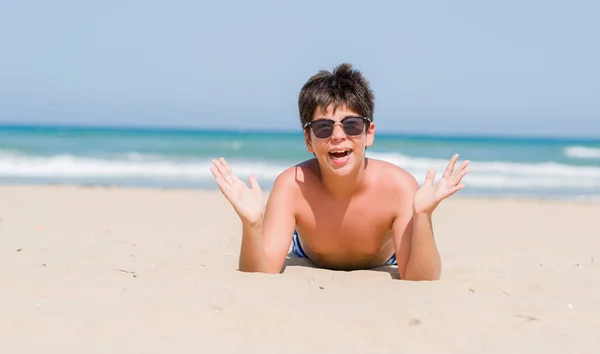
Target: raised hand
{"type": "Point", "coordinates": [429, 196]}
{"type": "Point", "coordinates": [247, 202]}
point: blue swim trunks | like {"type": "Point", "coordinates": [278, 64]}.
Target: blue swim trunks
{"type": "Point", "coordinates": [298, 251]}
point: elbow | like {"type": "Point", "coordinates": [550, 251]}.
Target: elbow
{"type": "Point", "coordinates": [255, 268]}
{"type": "Point", "coordinates": [421, 276]}
{"type": "Point", "coordinates": [258, 270]}
{"type": "Point", "coordinates": [421, 273]}
{"type": "Point", "coordinates": [264, 271]}
{"type": "Point", "coordinates": [260, 262]}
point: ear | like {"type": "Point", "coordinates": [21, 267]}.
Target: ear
{"type": "Point", "coordinates": [370, 135]}
{"type": "Point", "coordinates": [308, 141]}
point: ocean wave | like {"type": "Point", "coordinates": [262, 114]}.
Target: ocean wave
{"type": "Point", "coordinates": [582, 152]}
{"type": "Point", "coordinates": [137, 156]}
{"type": "Point", "coordinates": [11, 153]}
{"type": "Point", "coordinates": [483, 174]}
{"type": "Point", "coordinates": [498, 174]}
{"type": "Point", "coordinates": [140, 166]}
{"type": "Point", "coordinates": [545, 169]}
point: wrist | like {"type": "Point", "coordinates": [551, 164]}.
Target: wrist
{"type": "Point", "coordinates": [252, 224]}
{"type": "Point", "coordinates": [422, 213]}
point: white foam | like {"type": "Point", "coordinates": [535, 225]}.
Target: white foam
{"type": "Point", "coordinates": [483, 174]}
{"type": "Point", "coordinates": [496, 174]}
{"type": "Point", "coordinates": [67, 166]}
{"type": "Point", "coordinates": [582, 152]}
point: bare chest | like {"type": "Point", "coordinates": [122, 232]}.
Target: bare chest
{"type": "Point", "coordinates": [331, 229]}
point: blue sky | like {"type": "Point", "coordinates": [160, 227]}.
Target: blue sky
{"type": "Point", "coordinates": [439, 67]}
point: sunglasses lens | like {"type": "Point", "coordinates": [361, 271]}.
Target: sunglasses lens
{"type": "Point", "coordinates": [322, 129]}
{"type": "Point", "coordinates": [354, 126]}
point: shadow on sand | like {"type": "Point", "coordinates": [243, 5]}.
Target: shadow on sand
{"type": "Point", "coordinates": [294, 261]}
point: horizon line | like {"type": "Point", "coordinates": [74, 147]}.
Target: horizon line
{"type": "Point", "coordinates": [198, 129]}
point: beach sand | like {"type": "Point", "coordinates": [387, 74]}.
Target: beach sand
{"type": "Point", "coordinates": [111, 270]}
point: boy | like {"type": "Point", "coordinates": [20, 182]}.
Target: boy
{"type": "Point", "coordinates": [340, 209]}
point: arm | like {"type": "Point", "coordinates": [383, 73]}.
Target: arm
{"type": "Point", "coordinates": [424, 262]}
{"type": "Point", "coordinates": [266, 243]}
{"type": "Point", "coordinates": [413, 233]}
{"type": "Point", "coordinates": [414, 241]}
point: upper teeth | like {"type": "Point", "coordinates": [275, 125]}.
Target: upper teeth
{"type": "Point", "coordinates": [340, 151]}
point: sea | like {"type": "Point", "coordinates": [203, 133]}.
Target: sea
{"type": "Point", "coordinates": [554, 168]}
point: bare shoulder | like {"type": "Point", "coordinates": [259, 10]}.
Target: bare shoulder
{"type": "Point", "coordinates": [398, 186]}
{"type": "Point", "coordinates": [293, 178]}
{"type": "Point", "coordinates": [392, 176]}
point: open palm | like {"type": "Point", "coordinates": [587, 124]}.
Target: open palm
{"type": "Point", "coordinates": [247, 202]}
{"type": "Point", "coordinates": [429, 195]}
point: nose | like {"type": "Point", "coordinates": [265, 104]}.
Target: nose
{"type": "Point", "coordinates": [338, 132]}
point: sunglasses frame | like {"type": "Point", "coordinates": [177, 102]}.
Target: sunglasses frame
{"type": "Point", "coordinates": [368, 120]}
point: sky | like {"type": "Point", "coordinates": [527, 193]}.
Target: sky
{"type": "Point", "coordinates": [436, 67]}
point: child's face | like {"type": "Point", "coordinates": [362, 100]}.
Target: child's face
{"type": "Point", "coordinates": [341, 148]}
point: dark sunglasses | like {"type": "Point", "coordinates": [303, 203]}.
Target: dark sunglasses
{"type": "Point", "coordinates": [323, 128]}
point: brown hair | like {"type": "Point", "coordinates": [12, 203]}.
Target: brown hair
{"type": "Point", "coordinates": [343, 86]}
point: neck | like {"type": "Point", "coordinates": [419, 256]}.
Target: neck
{"type": "Point", "coordinates": [343, 186]}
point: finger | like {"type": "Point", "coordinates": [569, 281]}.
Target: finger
{"type": "Point", "coordinates": [451, 191]}
{"type": "Point", "coordinates": [454, 190]}
{"type": "Point", "coordinates": [221, 182]}
{"type": "Point", "coordinates": [458, 176]}
{"type": "Point", "coordinates": [253, 182]}
{"type": "Point", "coordinates": [216, 173]}
{"type": "Point", "coordinates": [229, 172]}
{"type": "Point", "coordinates": [227, 176]}
{"type": "Point", "coordinates": [224, 187]}
{"type": "Point", "coordinates": [462, 166]}
{"type": "Point", "coordinates": [216, 168]}
{"type": "Point", "coordinates": [430, 176]}
{"type": "Point", "coordinates": [226, 165]}
{"type": "Point", "coordinates": [450, 167]}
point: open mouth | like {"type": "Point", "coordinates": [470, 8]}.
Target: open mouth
{"type": "Point", "coordinates": [340, 154]}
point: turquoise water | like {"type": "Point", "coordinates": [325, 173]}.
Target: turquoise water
{"type": "Point", "coordinates": [181, 158]}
